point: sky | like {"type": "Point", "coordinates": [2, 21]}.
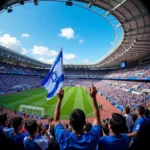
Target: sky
{"type": "Point", "coordinates": [40, 31]}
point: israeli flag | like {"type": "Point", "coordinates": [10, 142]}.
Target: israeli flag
{"type": "Point", "coordinates": [54, 80]}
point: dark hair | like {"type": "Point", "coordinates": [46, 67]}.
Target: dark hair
{"type": "Point", "coordinates": [77, 119]}
{"type": "Point", "coordinates": [3, 118]}
{"type": "Point", "coordinates": [141, 110]}
{"type": "Point", "coordinates": [88, 126]}
{"type": "Point", "coordinates": [127, 110]}
{"type": "Point", "coordinates": [16, 122]}
{"type": "Point", "coordinates": [105, 128]}
{"type": "Point", "coordinates": [31, 126]}
{"type": "Point", "coordinates": [118, 123]}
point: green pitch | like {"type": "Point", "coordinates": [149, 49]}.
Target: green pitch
{"type": "Point", "coordinates": [75, 97]}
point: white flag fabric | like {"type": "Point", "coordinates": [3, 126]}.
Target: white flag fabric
{"type": "Point", "coordinates": [54, 80]}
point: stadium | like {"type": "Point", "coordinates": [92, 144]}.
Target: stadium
{"type": "Point", "coordinates": [121, 76]}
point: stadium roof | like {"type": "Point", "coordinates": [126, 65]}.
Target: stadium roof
{"type": "Point", "coordinates": [134, 17]}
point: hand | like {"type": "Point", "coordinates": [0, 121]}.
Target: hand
{"type": "Point", "coordinates": [93, 92]}
{"type": "Point", "coordinates": [60, 94]}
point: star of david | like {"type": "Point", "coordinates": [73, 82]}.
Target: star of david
{"type": "Point", "coordinates": [54, 76]}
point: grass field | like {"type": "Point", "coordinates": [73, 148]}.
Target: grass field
{"type": "Point", "coordinates": [75, 97]}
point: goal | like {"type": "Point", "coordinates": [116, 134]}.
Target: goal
{"type": "Point", "coordinates": [32, 110]}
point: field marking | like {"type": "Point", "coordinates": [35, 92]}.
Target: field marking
{"type": "Point", "coordinates": [68, 107]}
{"type": "Point", "coordinates": [66, 96]}
{"type": "Point", "coordinates": [79, 100]}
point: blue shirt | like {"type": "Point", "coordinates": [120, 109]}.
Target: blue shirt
{"type": "Point", "coordinates": [5, 131]}
{"type": "Point", "coordinates": [138, 126]}
{"type": "Point", "coordinates": [120, 142]}
{"type": "Point", "coordinates": [17, 139]}
{"type": "Point", "coordinates": [70, 141]}
{"type": "Point", "coordinates": [35, 144]}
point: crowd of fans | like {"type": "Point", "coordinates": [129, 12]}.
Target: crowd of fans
{"type": "Point", "coordinates": [142, 71]}
{"type": "Point", "coordinates": [119, 132]}
{"type": "Point", "coordinates": [121, 92]}
{"type": "Point", "coordinates": [14, 83]}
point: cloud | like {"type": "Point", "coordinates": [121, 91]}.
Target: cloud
{"type": "Point", "coordinates": [0, 32]}
{"type": "Point", "coordinates": [12, 43]}
{"type": "Point", "coordinates": [25, 35]}
{"type": "Point", "coordinates": [47, 61]}
{"type": "Point", "coordinates": [70, 56]}
{"type": "Point", "coordinates": [81, 41]}
{"type": "Point", "coordinates": [67, 33]}
{"type": "Point", "coordinates": [41, 50]}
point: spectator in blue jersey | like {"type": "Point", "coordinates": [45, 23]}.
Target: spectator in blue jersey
{"type": "Point", "coordinates": [115, 140]}
{"type": "Point", "coordinates": [15, 135]}
{"type": "Point", "coordinates": [33, 143]}
{"type": "Point", "coordinates": [138, 129]}
{"type": "Point", "coordinates": [77, 139]}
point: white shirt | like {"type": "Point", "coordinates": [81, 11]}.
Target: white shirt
{"type": "Point", "coordinates": [128, 122]}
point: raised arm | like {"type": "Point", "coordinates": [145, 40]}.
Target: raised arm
{"type": "Point", "coordinates": [58, 106]}
{"type": "Point", "coordinates": [93, 93]}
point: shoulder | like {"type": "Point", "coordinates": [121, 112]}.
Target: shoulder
{"type": "Point", "coordinates": [125, 136]}
{"type": "Point", "coordinates": [125, 139]}
{"type": "Point", "coordinates": [25, 139]}
{"type": "Point", "coordinates": [60, 132]}
{"type": "Point", "coordinates": [42, 143]}
{"type": "Point", "coordinates": [58, 126]}
{"type": "Point", "coordinates": [7, 131]}
{"type": "Point", "coordinates": [140, 120]}
{"type": "Point", "coordinates": [96, 129]}
{"type": "Point", "coordinates": [59, 129]}
{"type": "Point", "coordinates": [105, 139]}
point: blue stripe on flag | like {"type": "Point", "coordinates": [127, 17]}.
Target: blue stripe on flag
{"type": "Point", "coordinates": [60, 79]}
{"type": "Point", "coordinates": [51, 71]}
